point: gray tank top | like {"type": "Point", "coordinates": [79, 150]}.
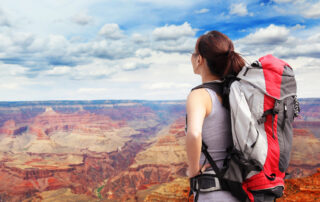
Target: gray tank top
{"type": "Point", "coordinates": [216, 131]}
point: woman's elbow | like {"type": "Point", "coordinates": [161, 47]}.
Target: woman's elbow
{"type": "Point", "coordinates": [193, 135]}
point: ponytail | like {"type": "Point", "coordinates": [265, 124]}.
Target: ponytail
{"type": "Point", "coordinates": [234, 64]}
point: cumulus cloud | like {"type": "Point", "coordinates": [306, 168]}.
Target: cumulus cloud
{"type": "Point", "coordinates": [174, 38]}
{"type": "Point", "coordinates": [56, 56]}
{"type": "Point", "coordinates": [139, 39]}
{"type": "Point", "coordinates": [297, 27]}
{"type": "Point", "coordinates": [111, 49]}
{"type": "Point", "coordinates": [22, 39]}
{"type": "Point", "coordinates": [173, 32]}
{"type": "Point", "coordinates": [12, 70]}
{"type": "Point", "coordinates": [92, 90]}
{"type": "Point", "coordinates": [280, 41]}
{"type": "Point", "coordinates": [238, 9]}
{"type": "Point", "coordinates": [311, 11]}
{"type": "Point", "coordinates": [288, 1]}
{"type": "Point", "coordinates": [270, 35]}
{"type": "Point", "coordinates": [143, 52]}
{"type": "Point", "coordinates": [6, 42]}
{"type": "Point", "coordinates": [166, 85]}
{"type": "Point", "coordinates": [182, 45]}
{"type": "Point", "coordinates": [201, 11]}
{"type": "Point", "coordinates": [96, 70]}
{"type": "Point", "coordinates": [58, 71]}
{"type": "Point", "coordinates": [132, 66]}
{"type": "Point", "coordinates": [166, 3]}
{"type": "Point", "coordinates": [82, 18]}
{"type": "Point", "coordinates": [111, 31]}
{"type": "Point", "coordinates": [307, 9]}
{"type": "Point", "coordinates": [308, 47]}
{"type": "Point", "coordinates": [4, 21]}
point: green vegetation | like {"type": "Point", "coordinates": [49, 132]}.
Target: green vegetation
{"type": "Point", "coordinates": [98, 191]}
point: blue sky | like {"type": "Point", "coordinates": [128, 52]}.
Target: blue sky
{"type": "Point", "coordinates": [84, 50]}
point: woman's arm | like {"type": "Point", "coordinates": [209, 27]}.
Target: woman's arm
{"type": "Point", "coordinates": [196, 111]}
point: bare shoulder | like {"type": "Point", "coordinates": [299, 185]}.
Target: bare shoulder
{"type": "Point", "coordinates": [198, 97]}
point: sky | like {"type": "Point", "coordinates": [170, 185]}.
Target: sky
{"type": "Point", "coordinates": [141, 49]}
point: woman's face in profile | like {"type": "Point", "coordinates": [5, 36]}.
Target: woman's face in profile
{"type": "Point", "coordinates": [194, 58]}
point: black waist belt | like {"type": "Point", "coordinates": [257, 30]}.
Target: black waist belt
{"type": "Point", "coordinates": [206, 182]}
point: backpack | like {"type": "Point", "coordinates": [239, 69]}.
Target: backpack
{"type": "Point", "coordinates": [262, 103]}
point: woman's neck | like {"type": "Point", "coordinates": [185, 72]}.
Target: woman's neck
{"type": "Point", "coordinates": [209, 77]}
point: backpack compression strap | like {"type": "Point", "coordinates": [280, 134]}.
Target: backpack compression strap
{"type": "Point", "coordinates": [204, 150]}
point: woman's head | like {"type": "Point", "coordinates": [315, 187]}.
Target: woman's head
{"type": "Point", "coordinates": [218, 51]}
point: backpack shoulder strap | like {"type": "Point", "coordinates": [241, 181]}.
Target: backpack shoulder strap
{"type": "Point", "coordinates": [221, 88]}
{"type": "Point", "coordinates": [215, 86]}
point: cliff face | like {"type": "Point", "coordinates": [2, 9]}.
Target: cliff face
{"type": "Point", "coordinates": [175, 191]}
{"type": "Point", "coordinates": [303, 189]}
{"type": "Point", "coordinates": [162, 161]}
{"type": "Point", "coordinates": [81, 149]}
{"type": "Point", "coordinates": [53, 132]}
{"type": "Point", "coordinates": [305, 154]}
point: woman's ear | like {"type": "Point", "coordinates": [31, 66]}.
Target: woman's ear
{"type": "Point", "coordinates": [200, 60]}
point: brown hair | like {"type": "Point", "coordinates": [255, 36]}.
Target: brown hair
{"type": "Point", "coordinates": [218, 50]}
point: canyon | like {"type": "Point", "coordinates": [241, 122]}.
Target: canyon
{"type": "Point", "coordinates": [119, 150]}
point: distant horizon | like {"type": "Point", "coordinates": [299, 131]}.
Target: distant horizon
{"type": "Point", "coordinates": [120, 100]}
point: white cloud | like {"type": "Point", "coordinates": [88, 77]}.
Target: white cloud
{"type": "Point", "coordinates": [11, 70]}
{"type": "Point", "coordinates": [308, 9]}
{"type": "Point", "coordinates": [58, 71]}
{"type": "Point", "coordinates": [289, 1]}
{"type": "Point", "coordinates": [166, 85]}
{"type": "Point", "coordinates": [270, 35]}
{"type": "Point", "coordinates": [201, 11]}
{"type": "Point", "coordinates": [309, 47]}
{"type": "Point", "coordinates": [98, 69]}
{"type": "Point", "coordinates": [10, 86]}
{"type": "Point", "coordinates": [111, 31]}
{"type": "Point", "coordinates": [57, 44]}
{"type": "Point", "coordinates": [183, 44]}
{"type": "Point", "coordinates": [133, 65]}
{"type": "Point", "coordinates": [5, 42]}
{"type": "Point", "coordinates": [143, 52]}
{"type": "Point", "coordinates": [22, 39]}
{"type": "Point", "coordinates": [282, 42]}
{"type": "Point", "coordinates": [166, 3]}
{"type": "Point", "coordinates": [4, 21]}
{"type": "Point", "coordinates": [297, 27]}
{"type": "Point", "coordinates": [82, 18]}
{"type": "Point", "coordinates": [238, 9]}
{"type": "Point", "coordinates": [311, 11]}
{"type": "Point", "coordinates": [173, 32]}
{"type": "Point", "coordinates": [92, 90]}
{"type": "Point", "coordinates": [138, 38]}
{"type": "Point", "coordinates": [111, 49]}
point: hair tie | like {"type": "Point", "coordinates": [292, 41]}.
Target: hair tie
{"type": "Point", "coordinates": [230, 52]}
